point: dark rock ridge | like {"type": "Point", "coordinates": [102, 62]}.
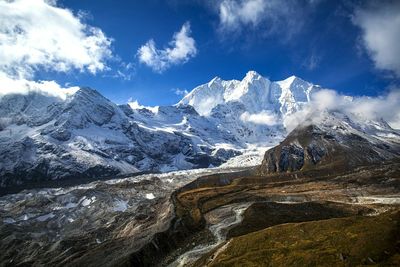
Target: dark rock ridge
{"type": "Point", "coordinates": [336, 141]}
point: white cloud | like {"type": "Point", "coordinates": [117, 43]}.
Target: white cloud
{"type": "Point", "coordinates": [37, 34]}
{"type": "Point", "coordinates": [233, 13]}
{"type": "Point", "coordinates": [180, 50]}
{"type": "Point", "coordinates": [380, 24]}
{"type": "Point", "coordinates": [181, 92]}
{"type": "Point", "coordinates": [124, 71]}
{"type": "Point", "coordinates": [264, 118]}
{"type": "Point", "coordinates": [283, 18]}
{"type": "Point", "coordinates": [385, 107]}
{"type": "Point", "coordinates": [134, 104]}
{"type": "Point", "coordinates": [23, 86]}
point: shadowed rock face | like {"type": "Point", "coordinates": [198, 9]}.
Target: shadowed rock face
{"type": "Point", "coordinates": [292, 154]}
{"type": "Point", "coordinates": [339, 145]}
{"type": "Point", "coordinates": [292, 158]}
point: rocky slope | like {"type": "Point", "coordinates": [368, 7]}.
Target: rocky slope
{"type": "Point", "coordinates": [156, 220]}
{"type": "Point", "coordinates": [336, 141]}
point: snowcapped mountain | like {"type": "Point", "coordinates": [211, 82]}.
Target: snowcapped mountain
{"type": "Point", "coordinates": [83, 134]}
{"type": "Point", "coordinates": [251, 109]}
{"type": "Point", "coordinates": [254, 92]}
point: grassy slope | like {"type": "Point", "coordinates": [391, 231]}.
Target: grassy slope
{"type": "Point", "coordinates": [266, 214]}
{"type": "Point", "coordinates": [352, 241]}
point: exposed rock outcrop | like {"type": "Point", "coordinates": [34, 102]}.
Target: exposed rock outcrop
{"type": "Point", "coordinates": [334, 142]}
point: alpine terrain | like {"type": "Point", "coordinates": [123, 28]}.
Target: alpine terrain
{"type": "Point", "coordinates": [240, 173]}
{"type": "Point", "coordinates": [84, 135]}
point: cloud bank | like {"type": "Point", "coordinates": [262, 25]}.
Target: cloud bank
{"type": "Point", "coordinates": [385, 107]}
{"type": "Point", "coordinates": [23, 86]}
{"type": "Point", "coordinates": [181, 48]}
{"type": "Point", "coordinates": [380, 24]}
{"type": "Point", "coordinates": [38, 35]}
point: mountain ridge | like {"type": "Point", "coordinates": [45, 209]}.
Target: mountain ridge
{"type": "Point", "coordinates": [253, 90]}
{"type": "Point", "coordinates": [334, 141]}
{"type": "Point", "coordinates": [44, 137]}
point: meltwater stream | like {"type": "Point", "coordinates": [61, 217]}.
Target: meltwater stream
{"type": "Point", "coordinates": [219, 222]}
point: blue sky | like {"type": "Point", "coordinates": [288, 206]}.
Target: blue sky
{"type": "Point", "coordinates": [325, 42]}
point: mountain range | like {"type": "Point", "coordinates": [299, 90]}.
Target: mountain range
{"type": "Point", "coordinates": [83, 135]}
{"type": "Point", "coordinates": [324, 173]}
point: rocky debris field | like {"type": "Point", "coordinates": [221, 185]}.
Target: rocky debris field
{"type": "Point", "coordinates": [206, 217]}
{"type": "Point", "coordinates": [104, 219]}
{"type": "Point", "coordinates": [279, 199]}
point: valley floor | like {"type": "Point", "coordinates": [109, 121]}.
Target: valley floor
{"type": "Point", "coordinates": [209, 217]}
{"type": "Point", "coordinates": [54, 226]}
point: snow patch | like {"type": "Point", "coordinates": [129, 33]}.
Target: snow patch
{"type": "Point", "coordinates": [45, 217]}
{"type": "Point", "coordinates": [120, 205]}
{"type": "Point", "coordinates": [150, 196]}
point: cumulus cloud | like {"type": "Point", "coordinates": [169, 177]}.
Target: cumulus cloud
{"type": "Point", "coordinates": [380, 25]}
{"type": "Point", "coordinates": [264, 118]}
{"type": "Point", "coordinates": [38, 34]}
{"type": "Point", "coordinates": [386, 107]}
{"type": "Point", "coordinates": [181, 48]}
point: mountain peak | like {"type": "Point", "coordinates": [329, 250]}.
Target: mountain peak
{"type": "Point", "coordinates": [215, 80]}
{"type": "Point", "coordinates": [254, 91]}
{"type": "Point", "coordinates": [87, 90]}
{"type": "Point", "coordinates": [252, 75]}
{"type": "Point", "coordinates": [291, 79]}
{"type": "Point", "coordinates": [88, 93]}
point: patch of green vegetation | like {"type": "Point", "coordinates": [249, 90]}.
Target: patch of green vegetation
{"type": "Point", "coordinates": [266, 214]}
{"type": "Point", "coordinates": [352, 241]}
